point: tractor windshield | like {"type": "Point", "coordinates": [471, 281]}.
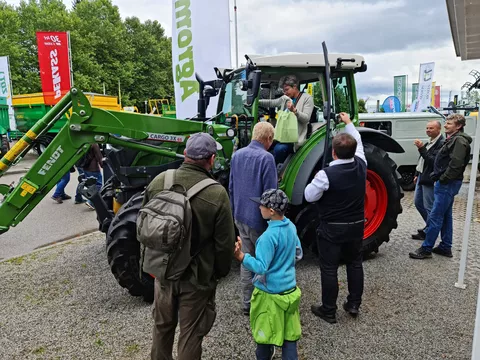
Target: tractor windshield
{"type": "Point", "coordinates": [234, 97]}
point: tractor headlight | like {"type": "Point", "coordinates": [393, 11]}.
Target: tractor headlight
{"type": "Point", "coordinates": [230, 132]}
{"type": "Point", "coordinates": [210, 130]}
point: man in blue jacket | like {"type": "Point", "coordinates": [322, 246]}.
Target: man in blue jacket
{"type": "Point", "coordinates": [252, 172]}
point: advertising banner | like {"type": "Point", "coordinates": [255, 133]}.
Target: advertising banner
{"type": "Point", "coordinates": [437, 97]}
{"type": "Point", "coordinates": [6, 88]}
{"type": "Point", "coordinates": [432, 102]}
{"type": "Point", "coordinates": [424, 96]}
{"type": "Point", "coordinates": [54, 63]}
{"type": "Point", "coordinates": [400, 90]}
{"type": "Point", "coordinates": [194, 51]}
{"type": "Point", "coordinates": [414, 91]}
{"type": "Point", "coordinates": [392, 104]}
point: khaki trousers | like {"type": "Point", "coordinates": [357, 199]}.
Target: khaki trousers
{"type": "Point", "coordinates": [193, 308]}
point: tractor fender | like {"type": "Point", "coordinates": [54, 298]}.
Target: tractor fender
{"type": "Point", "coordinates": [304, 174]}
{"type": "Point", "coordinates": [380, 140]}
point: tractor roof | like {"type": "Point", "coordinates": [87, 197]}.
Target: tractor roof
{"type": "Point", "coordinates": [306, 60]}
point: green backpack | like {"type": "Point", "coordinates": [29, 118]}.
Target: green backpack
{"type": "Point", "coordinates": [164, 228]}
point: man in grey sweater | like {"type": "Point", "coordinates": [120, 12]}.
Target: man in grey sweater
{"type": "Point", "coordinates": [301, 104]}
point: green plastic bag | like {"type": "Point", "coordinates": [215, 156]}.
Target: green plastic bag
{"type": "Point", "coordinates": [286, 130]}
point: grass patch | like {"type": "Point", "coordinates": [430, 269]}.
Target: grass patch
{"type": "Point", "coordinates": [132, 349]}
{"type": "Point", "coordinates": [38, 351]}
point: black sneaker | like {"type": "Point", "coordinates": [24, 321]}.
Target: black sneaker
{"type": "Point", "coordinates": [447, 253]}
{"type": "Point", "coordinates": [418, 236]}
{"type": "Point", "coordinates": [351, 309]}
{"type": "Point", "coordinates": [318, 311]}
{"type": "Point", "coordinates": [421, 253]}
{"type": "Point", "coordinates": [66, 197]}
{"type": "Point", "coordinates": [246, 311]}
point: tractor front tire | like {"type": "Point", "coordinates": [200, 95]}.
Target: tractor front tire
{"type": "Point", "coordinates": [123, 251]}
{"type": "Point", "coordinates": [42, 142]}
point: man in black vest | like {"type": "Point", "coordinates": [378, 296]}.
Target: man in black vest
{"type": "Point", "coordinates": [339, 191]}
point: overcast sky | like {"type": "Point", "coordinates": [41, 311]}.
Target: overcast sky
{"type": "Point", "coordinates": [394, 36]}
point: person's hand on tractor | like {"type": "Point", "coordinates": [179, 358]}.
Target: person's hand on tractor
{"type": "Point", "coordinates": [418, 143]}
{"type": "Point", "coordinates": [344, 118]}
{"type": "Point", "coordinates": [239, 255]}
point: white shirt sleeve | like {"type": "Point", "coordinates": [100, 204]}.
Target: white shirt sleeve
{"type": "Point", "coordinates": [350, 129]}
{"type": "Point", "coordinates": [315, 190]}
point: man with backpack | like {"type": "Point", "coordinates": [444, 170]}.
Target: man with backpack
{"type": "Point", "coordinates": [188, 238]}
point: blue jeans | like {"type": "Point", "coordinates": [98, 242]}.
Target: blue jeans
{"type": "Point", "coordinates": [289, 351]}
{"type": "Point", "coordinates": [440, 219]}
{"type": "Point", "coordinates": [281, 152]}
{"type": "Point", "coordinates": [423, 199]}
{"type": "Point", "coordinates": [60, 190]}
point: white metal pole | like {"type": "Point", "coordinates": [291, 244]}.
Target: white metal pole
{"type": "Point", "coordinates": [468, 217]}
{"type": "Point", "coordinates": [70, 58]}
{"type": "Point", "coordinates": [476, 331]}
{"type": "Point", "coordinates": [236, 33]}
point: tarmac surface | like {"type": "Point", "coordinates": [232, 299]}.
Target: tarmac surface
{"type": "Point", "coordinates": [48, 222]}
{"type": "Point", "coordinates": [63, 302]}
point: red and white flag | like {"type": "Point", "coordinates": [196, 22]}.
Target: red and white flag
{"type": "Point", "coordinates": [54, 62]}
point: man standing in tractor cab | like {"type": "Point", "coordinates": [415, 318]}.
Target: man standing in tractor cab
{"type": "Point", "coordinates": [424, 184]}
{"type": "Point", "coordinates": [191, 300]}
{"type": "Point", "coordinates": [301, 104]}
{"type": "Point", "coordinates": [339, 191]}
{"type": "Point", "coordinates": [252, 172]}
{"type": "Point", "coordinates": [448, 168]}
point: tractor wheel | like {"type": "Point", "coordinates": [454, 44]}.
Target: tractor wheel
{"type": "Point", "coordinates": [123, 251]}
{"type": "Point", "coordinates": [382, 198]}
{"type": "Point", "coordinates": [382, 204]}
{"type": "Point", "coordinates": [5, 146]}
{"type": "Point", "coordinates": [42, 142]}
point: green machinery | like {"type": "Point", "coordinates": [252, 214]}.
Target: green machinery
{"type": "Point", "coordinates": [4, 126]}
{"type": "Point", "coordinates": [142, 146]}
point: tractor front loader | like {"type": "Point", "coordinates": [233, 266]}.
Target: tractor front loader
{"type": "Point", "coordinates": [140, 146]}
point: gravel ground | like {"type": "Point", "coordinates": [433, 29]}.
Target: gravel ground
{"type": "Point", "coordinates": [63, 303]}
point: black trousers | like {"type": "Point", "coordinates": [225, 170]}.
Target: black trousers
{"type": "Point", "coordinates": [340, 242]}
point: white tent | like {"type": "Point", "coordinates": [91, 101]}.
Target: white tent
{"type": "Point", "coordinates": [463, 16]}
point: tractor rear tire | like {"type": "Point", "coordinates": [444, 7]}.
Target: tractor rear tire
{"type": "Point", "coordinates": [5, 146]}
{"type": "Point", "coordinates": [123, 251]}
{"type": "Point", "coordinates": [384, 167]}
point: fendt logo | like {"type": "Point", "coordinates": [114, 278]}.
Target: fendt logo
{"type": "Point", "coordinates": [53, 159]}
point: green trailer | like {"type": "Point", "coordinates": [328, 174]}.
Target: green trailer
{"type": "Point", "coordinates": [4, 126]}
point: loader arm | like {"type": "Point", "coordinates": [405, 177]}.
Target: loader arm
{"type": "Point", "coordinates": [86, 125]}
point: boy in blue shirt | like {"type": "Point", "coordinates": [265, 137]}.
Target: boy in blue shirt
{"type": "Point", "coordinates": [274, 314]}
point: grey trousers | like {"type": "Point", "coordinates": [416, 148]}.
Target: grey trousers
{"type": "Point", "coordinates": [195, 309]}
{"type": "Point", "coordinates": [249, 238]}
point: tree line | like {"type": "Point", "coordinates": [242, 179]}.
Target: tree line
{"type": "Point", "coordinates": [106, 50]}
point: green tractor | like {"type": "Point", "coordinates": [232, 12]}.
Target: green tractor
{"type": "Point", "coordinates": [141, 146]}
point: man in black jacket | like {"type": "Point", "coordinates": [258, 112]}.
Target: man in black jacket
{"type": "Point", "coordinates": [424, 189]}
{"type": "Point", "coordinates": [448, 169]}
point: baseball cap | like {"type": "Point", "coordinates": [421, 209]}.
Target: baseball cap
{"type": "Point", "coordinates": [274, 199]}
{"type": "Point", "coordinates": [200, 146]}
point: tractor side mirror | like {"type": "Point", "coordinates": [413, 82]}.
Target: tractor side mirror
{"type": "Point", "coordinates": [253, 87]}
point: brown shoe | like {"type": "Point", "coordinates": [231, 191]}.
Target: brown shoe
{"type": "Point", "coordinates": [58, 200]}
